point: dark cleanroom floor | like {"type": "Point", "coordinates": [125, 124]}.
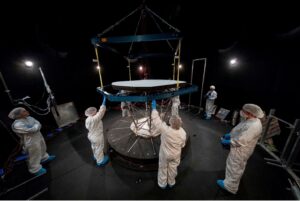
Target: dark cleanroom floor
{"type": "Point", "coordinates": [73, 175]}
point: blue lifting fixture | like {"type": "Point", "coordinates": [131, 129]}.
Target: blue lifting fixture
{"type": "Point", "coordinates": [137, 38]}
{"type": "Point", "coordinates": [149, 97]}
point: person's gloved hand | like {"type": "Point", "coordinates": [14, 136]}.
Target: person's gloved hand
{"type": "Point", "coordinates": [29, 126]}
{"type": "Point", "coordinates": [153, 104]}
{"type": "Point", "coordinates": [225, 142]}
{"type": "Point", "coordinates": [104, 100]}
{"type": "Point", "coordinates": [226, 136]}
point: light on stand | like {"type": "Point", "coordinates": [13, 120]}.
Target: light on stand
{"type": "Point", "coordinates": [29, 63]}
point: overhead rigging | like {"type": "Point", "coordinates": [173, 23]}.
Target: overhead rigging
{"type": "Point", "coordinates": [105, 42]}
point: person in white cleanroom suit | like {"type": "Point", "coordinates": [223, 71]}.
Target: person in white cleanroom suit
{"type": "Point", "coordinates": [175, 105]}
{"type": "Point", "coordinates": [211, 96]}
{"type": "Point", "coordinates": [173, 139]}
{"type": "Point", "coordinates": [242, 140]}
{"type": "Point", "coordinates": [125, 109]}
{"type": "Point", "coordinates": [94, 125]}
{"type": "Point", "coordinates": [125, 105]}
{"type": "Point", "coordinates": [28, 129]}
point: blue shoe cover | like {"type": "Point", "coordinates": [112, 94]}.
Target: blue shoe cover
{"type": "Point", "coordinates": [104, 161]}
{"type": "Point", "coordinates": [50, 158]}
{"type": "Point", "coordinates": [227, 136]}
{"type": "Point", "coordinates": [41, 172]}
{"type": "Point", "coordinates": [221, 184]}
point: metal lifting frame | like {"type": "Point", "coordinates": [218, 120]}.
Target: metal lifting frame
{"type": "Point", "coordinates": [97, 41]}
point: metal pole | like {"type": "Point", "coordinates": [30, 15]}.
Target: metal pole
{"type": "Point", "coordinates": [38, 194]}
{"type": "Point", "coordinates": [6, 89]}
{"type": "Point", "coordinates": [281, 120]}
{"type": "Point", "coordinates": [262, 139]}
{"type": "Point", "coordinates": [45, 81]}
{"type": "Point", "coordinates": [289, 163]}
{"type": "Point", "coordinates": [179, 53]}
{"type": "Point", "coordinates": [294, 176]}
{"type": "Point", "coordinates": [49, 91]}
{"type": "Point", "coordinates": [98, 61]}
{"type": "Point", "coordinates": [203, 77]}
{"type": "Point", "coordinates": [174, 67]}
{"type": "Point", "coordinates": [21, 184]}
{"type": "Point", "coordinates": [129, 70]}
{"type": "Point", "coordinates": [269, 152]}
{"type": "Point", "coordinates": [296, 123]}
{"type": "Point", "coordinates": [191, 82]}
{"type": "Point", "coordinates": [192, 75]}
{"type": "Point", "coordinates": [99, 71]}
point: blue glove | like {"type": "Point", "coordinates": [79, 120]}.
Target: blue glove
{"type": "Point", "coordinates": [225, 142]}
{"type": "Point", "coordinates": [153, 105]}
{"type": "Point", "coordinates": [227, 136]}
{"type": "Point", "coordinates": [104, 100]}
{"type": "Point", "coordinates": [29, 126]}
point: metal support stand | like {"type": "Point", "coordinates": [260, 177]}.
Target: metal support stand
{"type": "Point", "coordinates": [202, 86]}
{"type": "Point", "coordinates": [263, 137]}
{"type": "Point", "coordinates": [6, 89]}
{"type": "Point", "coordinates": [286, 159]}
{"type": "Point", "coordinates": [191, 82]}
{"type": "Point", "coordinates": [287, 144]}
{"type": "Point", "coordinates": [294, 153]}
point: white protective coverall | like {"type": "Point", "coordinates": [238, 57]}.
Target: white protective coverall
{"type": "Point", "coordinates": [175, 105]}
{"type": "Point", "coordinates": [95, 126]}
{"type": "Point", "coordinates": [210, 100]}
{"type": "Point", "coordinates": [172, 141]}
{"type": "Point", "coordinates": [243, 141]}
{"type": "Point", "coordinates": [125, 109]}
{"type": "Point", "coordinates": [28, 129]}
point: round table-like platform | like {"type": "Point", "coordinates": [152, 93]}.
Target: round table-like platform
{"type": "Point", "coordinates": [121, 138]}
{"type": "Point", "coordinates": [132, 151]}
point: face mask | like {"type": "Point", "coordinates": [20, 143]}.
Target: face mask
{"type": "Point", "coordinates": [243, 116]}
